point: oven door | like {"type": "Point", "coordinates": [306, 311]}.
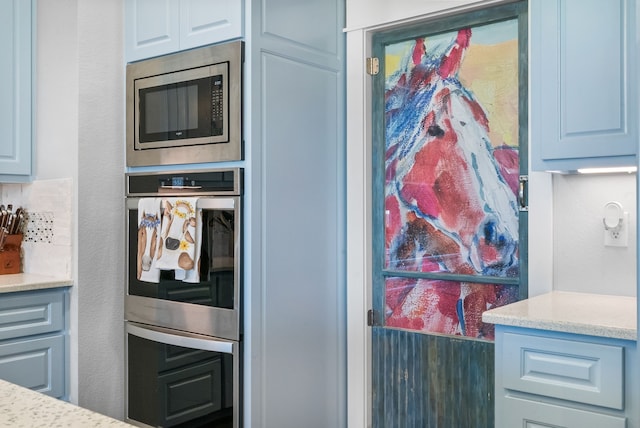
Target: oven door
{"type": "Point", "coordinates": [210, 307]}
{"type": "Point", "coordinates": [176, 379]}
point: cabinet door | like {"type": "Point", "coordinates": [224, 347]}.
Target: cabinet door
{"type": "Point", "coordinates": [204, 22]}
{"type": "Point", "coordinates": [151, 28]}
{"type": "Point", "coordinates": [159, 27]}
{"type": "Point", "coordinates": [15, 89]}
{"type": "Point", "coordinates": [30, 313]}
{"type": "Point", "coordinates": [573, 370]}
{"type": "Point", "coordinates": [533, 414]}
{"type": "Point", "coordinates": [583, 84]}
{"type": "Point", "coordinates": [35, 363]}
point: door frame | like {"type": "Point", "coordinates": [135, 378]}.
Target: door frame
{"type": "Point", "coordinates": [359, 213]}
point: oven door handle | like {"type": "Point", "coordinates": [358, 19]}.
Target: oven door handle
{"type": "Point", "coordinates": [178, 338]}
{"type": "Point", "coordinates": [205, 202]}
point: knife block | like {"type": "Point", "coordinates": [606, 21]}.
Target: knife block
{"type": "Point", "coordinates": [10, 255]}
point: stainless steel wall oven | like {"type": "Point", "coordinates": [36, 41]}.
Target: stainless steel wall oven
{"type": "Point", "coordinates": [183, 319]}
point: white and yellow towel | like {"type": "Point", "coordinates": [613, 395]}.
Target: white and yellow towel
{"type": "Point", "coordinates": [180, 238]}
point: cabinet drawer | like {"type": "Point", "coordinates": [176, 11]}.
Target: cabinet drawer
{"type": "Point", "coordinates": [584, 372]}
{"type": "Point", "coordinates": [27, 314]}
{"type": "Point", "coordinates": [533, 414]}
{"type": "Point", "coordinates": [191, 392]}
{"type": "Point", "coordinates": [37, 364]}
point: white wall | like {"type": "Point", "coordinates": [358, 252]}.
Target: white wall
{"type": "Point", "coordinates": [56, 107]}
{"type": "Point", "coordinates": [582, 262]}
{"type": "Point", "coordinates": [79, 139]}
{"type": "Point", "coordinates": [57, 120]}
{"type": "Point", "coordinates": [100, 260]}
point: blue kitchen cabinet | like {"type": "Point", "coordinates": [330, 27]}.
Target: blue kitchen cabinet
{"type": "Point", "coordinates": [584, 102]}
{"type": "Point", "coordinates": [16, 49]}
{"type": "Point", "coordinates": [159, 27]}
{"type": "Point", "coordinates": [564, 380]}
{"type": "Point", "coordinates": [33, 340]}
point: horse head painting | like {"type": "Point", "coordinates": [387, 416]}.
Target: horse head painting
{"type": "Point", "coordinates": [450, 189]}
{"type": "Point", "coordinates": [148, 230]}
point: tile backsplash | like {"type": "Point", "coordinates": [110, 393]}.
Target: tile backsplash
{"type": "Point", "coordinates": [39, 227]}
{"type": "Point", "coordinates": [47, 242]}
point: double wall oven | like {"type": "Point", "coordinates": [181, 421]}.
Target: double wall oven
{"type": "Point", "coordinates": [184, 334]}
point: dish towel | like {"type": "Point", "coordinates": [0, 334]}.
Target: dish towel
{"type": "Point", "coordinates": [180, 238]}
{"type": "Point", "coordinates": [148, 237]}
{"type": "Point", "coordinates": [193, 275]}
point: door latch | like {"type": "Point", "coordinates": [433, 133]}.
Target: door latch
{"type": "Point", "coordinates": [523, 193]}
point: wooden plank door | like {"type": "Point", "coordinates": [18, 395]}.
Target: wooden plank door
{"type": "Point", "coordinates": [449, 167]}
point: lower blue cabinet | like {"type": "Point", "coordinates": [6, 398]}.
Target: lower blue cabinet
{"type": "Point", "coordinates": [564, 380]}
{"type": "Point", "coordinates": [33, 340]}
{"type": "Point", "coordinates": [529, 413]}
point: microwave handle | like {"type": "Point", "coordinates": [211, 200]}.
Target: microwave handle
{"type": "Point", "coordinates": [178, 338]}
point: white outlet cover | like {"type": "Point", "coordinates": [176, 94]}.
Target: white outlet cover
{"type": "Point", "coordinates": [619, 238]}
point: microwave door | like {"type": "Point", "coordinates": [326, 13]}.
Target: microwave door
{"type": "Point", "coordinates": [182, 108]}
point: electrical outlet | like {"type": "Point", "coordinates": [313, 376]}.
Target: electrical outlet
{"type": "Point", "coordinates": [618, 238]}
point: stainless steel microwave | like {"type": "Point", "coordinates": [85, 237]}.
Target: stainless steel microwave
{"type": "Point", "coordinates": [185, 108]}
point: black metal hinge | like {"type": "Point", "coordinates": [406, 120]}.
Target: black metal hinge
{"type": "Point", "coordinates": [372, 318]}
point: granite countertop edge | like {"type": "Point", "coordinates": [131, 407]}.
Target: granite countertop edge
{"type": "Point", "coordinates": [29, 281]}
{"type": "Point", "coordinates": [571, 312]}
{"type": "Point", "coordinates": [22, 407]}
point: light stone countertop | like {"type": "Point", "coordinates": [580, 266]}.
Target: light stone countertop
{"type": "Point", "coordinates": [30, 281]}
{"type": "Point", "coordinates": [579, 313]}
{"type": "Point", "coordinates": [21, 408]}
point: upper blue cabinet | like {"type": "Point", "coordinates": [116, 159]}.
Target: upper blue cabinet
{"type": "Point", "coordinates": [16, 88]}
{"type": "Point", "coordinates": [584, 102]}
{"type": "Point", "coordinates": [159, 27]}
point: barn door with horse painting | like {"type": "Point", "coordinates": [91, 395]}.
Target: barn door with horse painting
{"type": "Point", "coordinates": [449, 108]}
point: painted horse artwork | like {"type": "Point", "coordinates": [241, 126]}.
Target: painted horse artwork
{"type": "Point", "coordinates": [148, 232]}
{"type": "Point", "coordinates": [451, 177]}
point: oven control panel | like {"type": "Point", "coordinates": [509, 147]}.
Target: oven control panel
{"type": "Point", "coordinates": [209, 182]}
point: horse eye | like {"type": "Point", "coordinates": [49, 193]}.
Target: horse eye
{"type": "Point", "coordinates": [435, 131]}
{"type": "Point", "coordinates": [490, 231]}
